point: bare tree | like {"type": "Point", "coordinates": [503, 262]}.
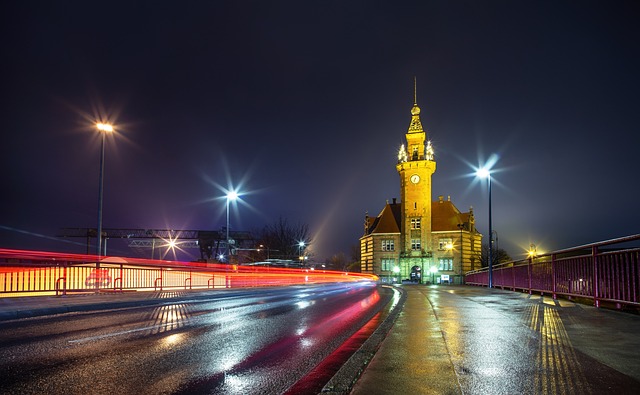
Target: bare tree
{"type": "Point", "coordinates": [282, 240]}
{"type": "Point", "coordinates": [337, 262]}
{"type": "Point", "coordinates": [498, 256]}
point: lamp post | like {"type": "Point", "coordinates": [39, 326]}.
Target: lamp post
{"type": "Point", "coordinates": [485, 173]}
{"type": "Point", "coordinates": [103, 128]}
{"type": "Point", "coordinates": [231, 195]}
{"type": "Point", "coordinates": [533, 251]}
{"type": "Point", "coordinates": [433, 271]}
{"type": "Point", "coordinates": [461, 227]}
{"type": "Point", "coordinates": [301, 245]}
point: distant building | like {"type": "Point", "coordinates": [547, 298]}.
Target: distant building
{"type": "Point", "coordinates": [419, 239]}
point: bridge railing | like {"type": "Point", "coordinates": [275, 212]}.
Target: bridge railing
{"type": "Point", "coordinates": [607, 271]}
{"type": "Point", "coordinates": [35, 272]}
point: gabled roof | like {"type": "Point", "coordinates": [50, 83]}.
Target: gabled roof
{"type": "Point", "coordinates": [446, 217]}
{"type": "Point", "coordinates": [388, 221]}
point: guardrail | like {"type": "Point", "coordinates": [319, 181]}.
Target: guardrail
{"type": "Point", "coordinates": [589, 271]}
{"type": "Point", "coordinates": [24, 272]}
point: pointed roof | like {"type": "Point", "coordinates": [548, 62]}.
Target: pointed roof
{"type": "Point", "coordinates": [415, 126]}
{"type": "Point", "coordinates": [445, 216]}
{"type": "Point", "coordinates": [388, 221]}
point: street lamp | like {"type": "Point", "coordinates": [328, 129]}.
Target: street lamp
{"type": "Point", "coordinates": [231, 195]}
{"type": "Point", "coordinates": [301, 245]}
{"type": "Point", "coordinates": [461, 227]}
{"type": "Point", "coordinates": [103, 128]}
{"type": "Point", "coordinates": [485, 173]}
{"type": "Point", "coordinates": [533, 251]}
{"type": "Point", "coordinates": [433, 271]}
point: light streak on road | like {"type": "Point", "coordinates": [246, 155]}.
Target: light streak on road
{"type": "Point", "coordinates": [40, 271]}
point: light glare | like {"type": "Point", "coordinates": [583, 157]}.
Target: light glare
{"type": "Point", "coordinates": [483, 173]}
{"type": "Point", "coordinates": [104, 127]}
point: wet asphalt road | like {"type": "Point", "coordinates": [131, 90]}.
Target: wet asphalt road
{"type": "Point", "coordinates": [240, 342]}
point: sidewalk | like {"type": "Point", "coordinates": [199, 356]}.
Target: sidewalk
{"type": "Point", "coordinates": [472, 340]}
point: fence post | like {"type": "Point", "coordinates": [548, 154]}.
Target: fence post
{"type": "Point", "coordinates": [529, 274]}
{"type": "Point", "coordinates": [553, 276]}
{"type": "Point", "coordinates": [596, 286]}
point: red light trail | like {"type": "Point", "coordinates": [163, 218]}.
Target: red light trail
{"type": "Point", "coordinates": [42, 271]}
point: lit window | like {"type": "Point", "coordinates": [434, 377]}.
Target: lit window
{"type": "Point", "coordinates": [387, 264]}
{"type": "Point", "coordinates": [445, 244]}
{"type": "Point", "coordinates": [388, 245]}
{"type": "Point", "coordinates": [445, 264]}
{"type": "Point", "coordinates": [415, 244]}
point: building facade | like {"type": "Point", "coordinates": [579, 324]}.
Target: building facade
{"type": "Point", "coordinates": [418, 239]}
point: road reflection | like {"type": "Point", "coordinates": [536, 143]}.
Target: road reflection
{"type": "Point", "coordinates": [558, 366]}
{"type": "Point", "coordinates": [169, 317]}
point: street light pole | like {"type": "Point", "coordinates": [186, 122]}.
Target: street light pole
{"type": "Point", "coordinates": [485, 173]}
{"type": "Point", "coordinates": [490, 236]}
{"type": "Point", "coordinates": [461, 226]}
{"type": "Point", "coordinates": [103, 128]}
{"type": "Point", "coordinates": [301, 245]}
{"type": "Point", "coordinates": [232, 195]}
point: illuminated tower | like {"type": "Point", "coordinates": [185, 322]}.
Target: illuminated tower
{"type": "Point", "coordinates": [415, 167]}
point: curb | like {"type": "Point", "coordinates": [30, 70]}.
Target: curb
{"type": "Point", "coordinates": [344, 380]}
{"type": "Point", "coordinates": [98, 306]}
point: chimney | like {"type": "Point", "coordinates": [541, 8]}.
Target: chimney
{"type": "Point", "coordinates": [394, 200]}
{"type": "Point", "coordinates": [440, 198]}
{"type": "Point", "coordinates": [448, 198]}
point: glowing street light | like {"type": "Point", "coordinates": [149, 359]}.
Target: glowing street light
{"type": "Point", "coordinates": [533, 251]}
{"type": "Point", "coordinates": [485, 173]}
{"type": "Point", "coordinates": [433, 270]}
{"type": "Point", "coordinates": [301, 245]}
{"type": "Point", "coordinates": [103, 128]}
{"type": "Point", "coordinates": [231, 195]}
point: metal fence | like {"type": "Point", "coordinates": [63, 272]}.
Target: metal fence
{"type": "Point", "coordinates": [36, 272]}
{"type": "Point", "coordinates": [607, 271]}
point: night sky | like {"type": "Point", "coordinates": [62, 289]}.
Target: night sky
{"type": "Point", "coordinates": [303, 105]}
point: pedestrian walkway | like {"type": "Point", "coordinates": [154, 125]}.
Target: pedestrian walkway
{"type": "Point", "coordinates": [472, 340]}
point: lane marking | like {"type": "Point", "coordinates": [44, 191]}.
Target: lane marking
{"type": "Point", "coordinates": [88, 339]}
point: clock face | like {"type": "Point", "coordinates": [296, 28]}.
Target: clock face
{"type": "Point", "coordinates": [415, 178]}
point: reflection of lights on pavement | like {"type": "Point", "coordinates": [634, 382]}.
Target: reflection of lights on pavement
{"type": "Point", "coordinates": [235, 384]}
{"type": "Point", "coordinates": [303, 304]}
{"type": "Point", "coordinates": [491, 371]}
{"type": "Point", "coordinates": [230, 360]}
{"type": "Point", "coordinates": [306, 342]}
{"type": "Point", "coordinates": [172, 339]}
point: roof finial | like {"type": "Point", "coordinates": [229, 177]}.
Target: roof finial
{"type": "Point", "coordinates": [415, 91]}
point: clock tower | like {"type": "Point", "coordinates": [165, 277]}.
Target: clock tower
{"type": "Point", "coordinates": [415, 167]}
{"type": "Point", "coordinates": [418, 239]}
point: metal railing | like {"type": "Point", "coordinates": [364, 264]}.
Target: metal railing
{"type": "Point", "coordinates": [590, 271]}
{"type": "Point", "coordinates": [36, 272]}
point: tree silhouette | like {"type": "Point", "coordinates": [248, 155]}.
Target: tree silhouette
{"type": "Point", "coordinates": [281, 239]}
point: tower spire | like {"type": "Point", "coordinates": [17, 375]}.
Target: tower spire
{"type": "Point", "coordinates": [416, 125]}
